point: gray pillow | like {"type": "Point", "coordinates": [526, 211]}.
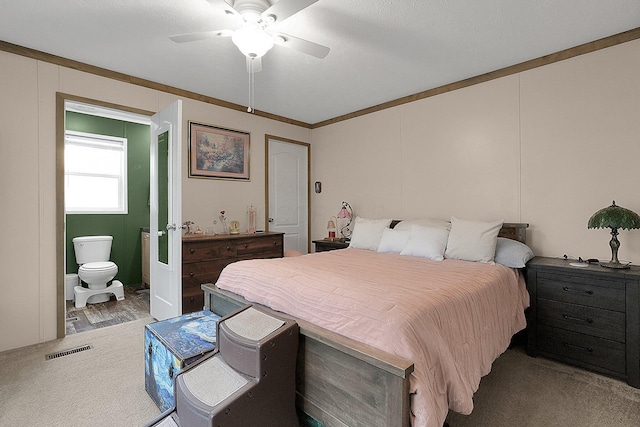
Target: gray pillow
{"type": "Point", "coordinates": [512, 253]}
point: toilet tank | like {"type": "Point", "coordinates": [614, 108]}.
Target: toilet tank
{"type": "Point", "coordinates": [92, 248]}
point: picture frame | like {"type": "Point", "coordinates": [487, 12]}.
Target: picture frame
{"type": "Point", "coordinates": [219, 153]}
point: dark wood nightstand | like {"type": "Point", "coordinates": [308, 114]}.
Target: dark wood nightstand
{"type": "Point", "coordinates": [330, 245]}
{"type": "Point", "coordinates": [585, 316]}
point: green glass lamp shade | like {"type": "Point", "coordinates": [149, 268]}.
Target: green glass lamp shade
{"type": "Point", "coordinates": [614, 217]}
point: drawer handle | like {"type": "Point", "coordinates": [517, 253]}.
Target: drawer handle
{"type": "Point", "coordinates": [577, 319]}
{"type": "Point", "coordinates": [228, 248]}
{"type": "Point", "coordinates": [579, 291]}
{"type": "Point", "coordinates": [275, 243]}
{"type": "Point", "coordinates": [191, 274]}
{"type": "Point", "coordinates": [246, 246]}
{"type": "Point", "coordinates": [193, 251]}
{"type": "Point", "coordinates": [578, 347]}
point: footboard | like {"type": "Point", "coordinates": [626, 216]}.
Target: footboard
{"type": "Point", "coordinates": [339, 381]}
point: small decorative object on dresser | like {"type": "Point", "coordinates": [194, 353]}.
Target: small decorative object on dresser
{"type": "Point", "coordinates": [614, 217]}
{"type": "Point", "coordinates": [589, 317]}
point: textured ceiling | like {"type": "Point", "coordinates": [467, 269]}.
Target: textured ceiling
{"type": "Point", "coordinates": [380, 50]}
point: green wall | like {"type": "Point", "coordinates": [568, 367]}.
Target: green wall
{"type": "Point", "coordinates": [126, 250]}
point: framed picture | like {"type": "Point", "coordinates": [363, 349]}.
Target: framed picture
{"type": "Point", "coordinates": [217, 152]}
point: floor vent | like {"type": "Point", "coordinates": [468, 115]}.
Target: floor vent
{"type": "Point", "coordinates": [68, 352]}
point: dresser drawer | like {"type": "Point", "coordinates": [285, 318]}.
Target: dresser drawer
{"type": "Point", "coordinates": [192, 300]}
{"type": "Point", "coordinates": [266, 247]}
{"type": "Point", "coordinates": [601, 323]}
{"type": "Point", "coordinates": [609, 295]}
{"type": "Point", "coordinates": [582, 349]}
{"type": "Point", "coordinates": [200, 251]}
{"type": "Point", "coordinates": [203, 272]}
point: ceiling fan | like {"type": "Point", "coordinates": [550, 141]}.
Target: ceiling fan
{"type": "Point", "coordinates": [257, 33]}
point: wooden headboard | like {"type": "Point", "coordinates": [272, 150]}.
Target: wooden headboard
{"type": "Point", "coordinates": [510, 230]}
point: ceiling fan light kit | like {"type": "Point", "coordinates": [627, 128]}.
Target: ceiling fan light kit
{"type": "Point", "coordinates": [252, 40]}
{"type": "Point", "coordinates": [256, 37]}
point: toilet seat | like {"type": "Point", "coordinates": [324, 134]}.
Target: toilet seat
{"type": "Point", "coordinates": [98, 266]}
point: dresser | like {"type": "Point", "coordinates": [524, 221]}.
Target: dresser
{"type": "Point", "coordinates": [204, 257]}
{"type": "Point", "coordinates": [585, 316]}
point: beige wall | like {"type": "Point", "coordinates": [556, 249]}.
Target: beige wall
{"type": "Point", "coordinates": [549, 146]}
{"type": "Point", "coordinates": [27, 189]}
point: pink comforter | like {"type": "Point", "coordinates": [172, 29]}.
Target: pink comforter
{"type": "Point", "coordinates": [451, 318]}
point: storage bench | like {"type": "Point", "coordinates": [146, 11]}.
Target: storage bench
{"type": "Point", "coordinates": [172, 344]}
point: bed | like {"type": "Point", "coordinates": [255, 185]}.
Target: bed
{"type": "Point", "coordinates": [373, 351]}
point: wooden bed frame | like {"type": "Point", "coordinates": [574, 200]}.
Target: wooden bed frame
{"type": "Point", "coordinates": [341, 382]}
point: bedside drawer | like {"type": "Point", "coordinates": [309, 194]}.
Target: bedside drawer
{"type": "Point", "coordinates": [609, 295]}
{"type": "Point", "coordinates": [200, 251]}
{"type": "Point", "coordinates": [579, 318]}
{"type": "Point", "coordinates": [584, 349]}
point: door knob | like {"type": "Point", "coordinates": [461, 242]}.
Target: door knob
{"type": "Point", "coordinates": [270, 219]}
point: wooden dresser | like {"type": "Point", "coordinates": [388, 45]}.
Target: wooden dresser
{"type": "Point", "coordinates": [204, 257]}
{"type": "Point", "coordinates": [585, 316]}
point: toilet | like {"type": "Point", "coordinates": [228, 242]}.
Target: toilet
{"type": "Point", "coordinates": [92, 255]}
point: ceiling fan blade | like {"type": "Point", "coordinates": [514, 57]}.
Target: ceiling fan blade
{"type": "Point", "coordinates": [285, 8]}
{"type": "Point", "coordinates": [302, 45]}
{"type": "Point", "coordinates": [254, 65]}
{"type": "Point", "coordinates": [191, 37]}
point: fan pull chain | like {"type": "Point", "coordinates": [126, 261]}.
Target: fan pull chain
{"type": "Point", "coordinates": [250, 109]}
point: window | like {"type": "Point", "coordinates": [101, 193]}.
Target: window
{"type": "Point", "coordinates": [95, 173]}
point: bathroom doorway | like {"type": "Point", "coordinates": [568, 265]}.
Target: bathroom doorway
{"type": "Point", "coordinates": [100, 124]}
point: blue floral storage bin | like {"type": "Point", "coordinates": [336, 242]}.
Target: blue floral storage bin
{"type": "Point", "coordinates": [172, 344]}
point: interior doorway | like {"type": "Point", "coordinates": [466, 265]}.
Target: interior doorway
{"type": "Point", "coordinates": [85, 116]}
{"type": "Point", "coordinates": [287, 181]}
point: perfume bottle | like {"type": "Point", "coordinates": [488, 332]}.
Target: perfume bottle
{"type": "Point", "coordinates": [252, 219]}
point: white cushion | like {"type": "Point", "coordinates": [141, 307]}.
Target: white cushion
{"type": "Point", "coordinates": [367, 233]}
{"type": "Point", "coordinates": [473, 240]}
{"type": "Point", "coordinates": [426, 242]}
{"type": "Point", "coordinates": [405, 225]}
{"type": "Point", "coordinates": [393, 241]}
{"type": "Point", "coordinates": [512, 253]}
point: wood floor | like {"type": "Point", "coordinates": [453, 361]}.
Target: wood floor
{"type": "Point", "coordinates": [134, 306]}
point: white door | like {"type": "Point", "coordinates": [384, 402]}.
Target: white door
{"type": "Point", "coordinates": [165, 222]}
{"type": "Point", "coordinates": [288, 204]}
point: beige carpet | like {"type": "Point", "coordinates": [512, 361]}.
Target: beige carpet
{"type": "Point", "coordinates": [537, 392]}
{"type": "Point", "coordinates": [103, 386]}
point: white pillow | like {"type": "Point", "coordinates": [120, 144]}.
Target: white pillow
{"type": "Point", "coordinates": [367, 233]}
{"type": "Point", "coordinates": [427, 242]}
{"type": "Point", "coordinates": [405, 225]}
{"type": "Point", "coordinates": [393, 241]}
{"type": "Point", "coordinates": [473, 240]}
{"type": "Point", "coordinates": [512, 253]}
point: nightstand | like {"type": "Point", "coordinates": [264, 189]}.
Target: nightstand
{"type": "Point", "coordinates": [330, 245]}
{"type": "Point", "coordinates": [585, 316]}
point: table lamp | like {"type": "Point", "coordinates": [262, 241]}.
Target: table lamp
{"type": "Point", "coordinates": [614, 217]}
{"type": "Point", "coordinates": [346, 213]}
